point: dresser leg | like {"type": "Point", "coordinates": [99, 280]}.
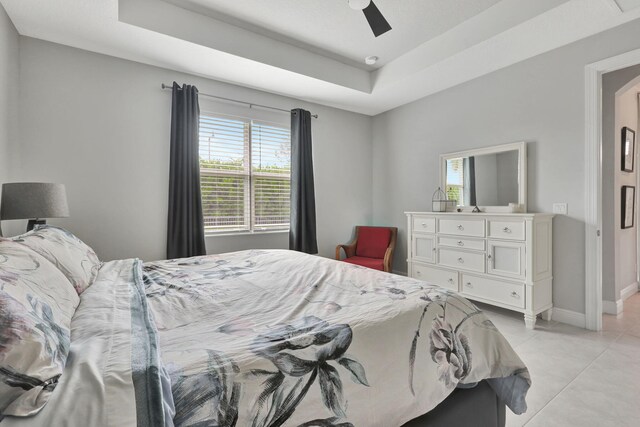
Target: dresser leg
{"type": "Point", "coordinates": [546, 315]}
{"type": "Point", "coordinates": [530, 321]}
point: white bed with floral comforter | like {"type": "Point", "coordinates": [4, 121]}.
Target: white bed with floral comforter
{"type": "Point", "coordinates": [270, 338]}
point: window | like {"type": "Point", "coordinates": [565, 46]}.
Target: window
{"type": "Point", "coordinates": [245, 174]}
{"type": "Point", "coordinates": [455, 180]}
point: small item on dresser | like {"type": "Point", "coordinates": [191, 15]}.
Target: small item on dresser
{"type": "Point", "coordinates": [476, 209]}
{"type": "Point", "coordinates": [514, 207]}
{"type": "Point", "coordinates": [440, 203]}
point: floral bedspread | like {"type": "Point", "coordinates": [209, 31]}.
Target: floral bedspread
{"type": "Point", "coordinates": [278, 338]}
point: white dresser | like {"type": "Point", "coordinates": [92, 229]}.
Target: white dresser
{"type": "Point", "coordinates": [498, 258]}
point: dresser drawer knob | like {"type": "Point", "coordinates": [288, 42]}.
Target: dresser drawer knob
{"type": "Point", "coordinates": [489, 256]}
{"type": "Point", "coordinates": [450, 280]}
{"type": "Point", "coordinates": [418, 273]}
{"type": "Point", "coordinates": [469, 285]}
{"type": "Point", "coordinates": [460, 243]}
{"type": "Point", "coordinates": [460, 227]}
{"type": "Point", "coordinates": [515, 294]}
{"type": "Point", "coordinates": [506, 230]}
{"type": "Point", "coordinates": [461, 260]}
{"type": "Point", "coordinates": [424, 224]}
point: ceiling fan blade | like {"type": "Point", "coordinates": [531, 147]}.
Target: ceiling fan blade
{"type": "Point", "coordinates": [377, 22]}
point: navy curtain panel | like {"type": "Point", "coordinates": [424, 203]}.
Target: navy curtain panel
{"type": "Point", "coordinates": [469, 189]}
{"type": "Point", "coordinates": [185, 231]}
{"type": "Point", "coordinates": [302, 232]}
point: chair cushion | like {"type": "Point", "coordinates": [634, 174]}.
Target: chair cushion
{"type": "Point", "coordinates": [373, 242]}
{"type": "Point", "coordinates": [37, 303]}
{"type": "Point", "coordinates": [375, 263]}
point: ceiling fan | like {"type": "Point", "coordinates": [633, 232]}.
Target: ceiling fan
{"type": "Point", "coordinates": [377, 22]}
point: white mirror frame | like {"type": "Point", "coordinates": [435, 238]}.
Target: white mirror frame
{"type": "Point", "coordinates": [522, 172]}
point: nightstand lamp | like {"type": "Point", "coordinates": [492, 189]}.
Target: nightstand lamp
{"type": "Point", "coordinates": [34, 201]}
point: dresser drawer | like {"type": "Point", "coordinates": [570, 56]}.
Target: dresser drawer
{"type": "Point", "coordinates": [422, 224]}
{"type": "Point", "coordinates": [506, 229]}
{"type": "Point", "coordinates": [444, 278]}
{"type": "Point", "coordinates": [462, 227]}
{"type": "Point", "coordinates": [462, 243]}
{"type": "Point", "coordinates": [493, 290]}
{"type": "Point", "coordinates": [471, 261]}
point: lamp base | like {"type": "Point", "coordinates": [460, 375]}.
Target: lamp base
{"type": "Point", "coordinates": [33, 222]}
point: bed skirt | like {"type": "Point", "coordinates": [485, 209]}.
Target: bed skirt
{"type": "Point", "coordinates": [478, 406]}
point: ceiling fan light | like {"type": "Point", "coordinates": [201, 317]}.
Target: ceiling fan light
{"type": "Point", "coordinates": [359, 4]}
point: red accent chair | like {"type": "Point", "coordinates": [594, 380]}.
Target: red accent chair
{"type": "Point", "coordinates": [371, 247]}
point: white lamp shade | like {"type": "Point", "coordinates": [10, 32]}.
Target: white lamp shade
{"type": "Point", "coordinates": [33, 200]}
{"type": "Point", "coordinates": [359, 4]}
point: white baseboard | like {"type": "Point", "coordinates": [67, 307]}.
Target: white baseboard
{"type": "Point", "coordinates": [628, 291]}
{"type": "Point", "coordinates": [616, 307]}
{"type": "Point", "coordinates": [569, 317]}
{"type": "Point", "coordinates": [612, 307]}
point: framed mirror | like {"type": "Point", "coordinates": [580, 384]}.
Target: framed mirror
{"type": "Point", "coordinates": [490, 178]}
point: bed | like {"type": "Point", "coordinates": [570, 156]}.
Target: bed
{"type": "Point", "coordinates": [276, 338]}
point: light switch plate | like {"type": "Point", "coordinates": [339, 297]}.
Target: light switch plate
{"type": "Point", "coordinates": [560, 208]}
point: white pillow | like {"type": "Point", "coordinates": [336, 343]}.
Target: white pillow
{"type": "Point", "coordinates": [37, 303]}
{"type": "Point", "coordinates": [77, 261]}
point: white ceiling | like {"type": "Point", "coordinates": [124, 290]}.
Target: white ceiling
{"type": "Point", "coordinates": [310, 49]}
{"type": "Point", "coordinates": [332, 28]}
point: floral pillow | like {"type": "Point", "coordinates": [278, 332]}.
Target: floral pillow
{"type": "Point", "coordinates": [37, 303]}
{"type": "Point", "coordinates": [77, 261]}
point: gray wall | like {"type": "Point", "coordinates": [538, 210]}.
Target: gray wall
{"type": "Point", "coordinates": [540, 101]}
{"type": "Point", "coordinates": [486, 171]}
{"type": "Point", "coordinates": [507, 175]}
{"type": "Point", "coordinates": [101, 126]}
{"type": "Point", "coordinates": [9, 92]}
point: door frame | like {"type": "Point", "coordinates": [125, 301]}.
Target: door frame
{"type": "Point", "coordinates": [593, 180]}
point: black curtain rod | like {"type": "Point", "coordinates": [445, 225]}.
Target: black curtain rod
{"type": "Point", "coordinates": [250, 104]}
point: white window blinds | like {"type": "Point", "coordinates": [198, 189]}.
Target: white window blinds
{"type": "Point", "coordinates": [455, 172]}
{"type": "Point", "coordinates": [245, 174]}
{"type": "Point", "coordinates": [455, 180]}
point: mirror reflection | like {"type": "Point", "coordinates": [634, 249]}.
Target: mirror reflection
{"type": "Point", "coordinates": [483, 180]}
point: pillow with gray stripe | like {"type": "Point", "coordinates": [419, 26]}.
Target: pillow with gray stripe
{"type": "Point", "coordinates": [37, 303]}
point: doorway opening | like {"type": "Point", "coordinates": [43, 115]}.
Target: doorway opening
{"type": "Point", "coordinates": [620, 113]}
{"type": "Point", "coordinates": [608, 82]}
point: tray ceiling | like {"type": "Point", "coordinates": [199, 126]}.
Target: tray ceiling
{"type": "Point", "coordinates": [313, 50]}
{"type": "Point", "coordinates": [332, 28]}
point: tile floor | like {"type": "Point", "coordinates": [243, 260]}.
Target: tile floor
{"type": "Point", "coordinates": [579, 377]}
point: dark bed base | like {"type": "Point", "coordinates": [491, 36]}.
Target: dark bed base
{"type": "Point", "coordinates": [477, 407]}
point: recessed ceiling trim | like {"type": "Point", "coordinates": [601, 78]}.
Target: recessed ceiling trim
{"type": "Point", "coordinates": [232, 20]}
{"type": "Point", "coordinates": [491, 23]}
{"type": "Point", "coordinates": [572, 21]}
{"type": "Point", "coordinates": [203, 30]}
{"type": "Point", "coordinates": [625, 5]}
{"type": "Point", "coordinates": [332, 26]}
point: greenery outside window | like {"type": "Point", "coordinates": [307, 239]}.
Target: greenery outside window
{"type": "Point", "coordinates": [455, 180]}
{"type": "Point", "coordinates": [245, 174]}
